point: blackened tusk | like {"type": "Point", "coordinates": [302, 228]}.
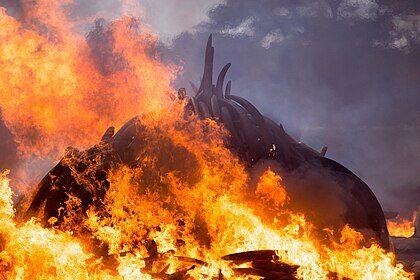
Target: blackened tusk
{"type": "Point", "coordinates": [108, 134]}
{"type": "Point", "coordinates": [220, 80]}
{"type": "Point", "coordinates": [251, 255]}
{"type": "Point", "coordinates": [215, 106]}
{"type": "Point", "coordinates": [228, 122]}
{"type": "Point", "coordinates": [207, 81]}
{"type": "Point", "coordinates": [228, 88]}
{"type": "Point", "coordinates": [259, 119]}
{"type": "Point", "coordinates": [204, 109]}
{"type": "Point", "coordinates": [323, 151]}
{"type": "Point", "coordinates": [195, 106]}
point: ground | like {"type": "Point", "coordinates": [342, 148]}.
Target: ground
{"type": "Point", "coordinates": [407, 251]}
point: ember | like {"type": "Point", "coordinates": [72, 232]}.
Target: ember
{"type": "Point", "coordinates": [203, 187]}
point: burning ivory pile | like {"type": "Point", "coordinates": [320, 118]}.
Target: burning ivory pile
{"type": "Point", "coordinates": [218, 191]}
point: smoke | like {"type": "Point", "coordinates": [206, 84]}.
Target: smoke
{"type": "Point", "coordinates": [338, 73]}
{"type": "Point", "coordinates": [8, 147]}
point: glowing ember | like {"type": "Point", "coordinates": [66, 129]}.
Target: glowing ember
{"type": "Point", "coordinates": [401, 227]}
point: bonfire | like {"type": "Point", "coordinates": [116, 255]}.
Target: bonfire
{"type": "Point", "coordinates": [192, 186]}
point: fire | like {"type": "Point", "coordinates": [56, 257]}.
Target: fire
{"type": "Point", "coordinates": [270, 188]}
{"type": "Point", "coordinates": [402, 227]}
{"type": "Point", "coordinates": [59, 89]}
{"type": "Point", "coordinates": [30, 251]}
{"type": "Point", "coordinates": [183, 209]}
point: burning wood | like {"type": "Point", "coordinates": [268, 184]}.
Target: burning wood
{"type": "Point", "coordinates": [257, 139]}
{"type": "Point", "coordinates": [264, 263]}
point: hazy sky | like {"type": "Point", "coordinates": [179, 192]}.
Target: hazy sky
{"type": "Point", "coordinates": [167, 18]}
{"type": "Point", "coordinates": [340, 73]}
{"type": "Point", "coordinates": [171, 17]}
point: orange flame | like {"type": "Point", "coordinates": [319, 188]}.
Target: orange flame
{"type": "Point", "coordinates": [52, 91]}
{"type": "Point", "coordinates": [402, 227]}
{"type": "Point", "coordinates": [270, 188]}
{"type": "Point", "coordinates": [32, 252]}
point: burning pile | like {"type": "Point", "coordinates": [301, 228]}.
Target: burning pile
{"type": "Point", "coordinates": [176, 233]}
{"type": "Point", "coordinates": [178, 205]}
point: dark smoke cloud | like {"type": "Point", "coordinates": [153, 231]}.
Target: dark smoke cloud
{"type": "Point", "coordinates": [339, 73]}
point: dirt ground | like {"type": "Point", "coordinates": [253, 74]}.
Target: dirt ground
{"type": "Point", "coordinates": [407, 251]}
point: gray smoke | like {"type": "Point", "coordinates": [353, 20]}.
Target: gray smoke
{"type": "Point", "coordinates": [344, 74]}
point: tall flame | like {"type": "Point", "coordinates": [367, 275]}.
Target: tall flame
{"type": "Point", "coordinates": [54, 91]}
{"type": "Point", "coordinates": [401, 227]}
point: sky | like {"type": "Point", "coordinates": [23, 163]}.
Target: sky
{"type": "Point", "coordinates": [339, 73]}
{"type": "Point", "coordinates": [344, 74]}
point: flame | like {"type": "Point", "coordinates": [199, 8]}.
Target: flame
{"type": "Point", "coordinates": [181, 208]}
{"type": "Point", "coordinates": [270, 188]}
{"type": "Point", "coordinates": [54, 91]}
{"type": "Point", "coordinates": [30, 251]}
{"type": "Point", "coordinates": [402, 227]}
